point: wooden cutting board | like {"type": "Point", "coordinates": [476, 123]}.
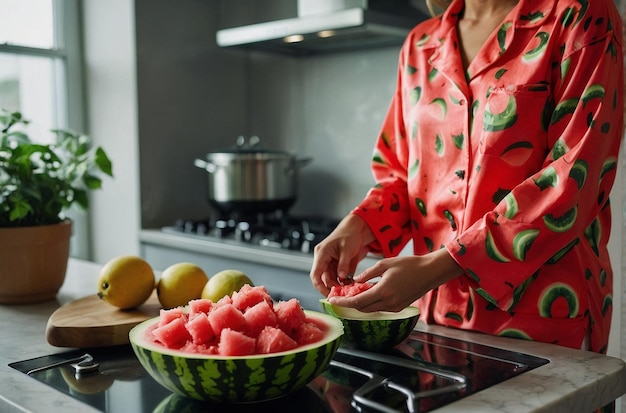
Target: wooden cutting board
{"type": "Point", "coordinates": [92, 322]}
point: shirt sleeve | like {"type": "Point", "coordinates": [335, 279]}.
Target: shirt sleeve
{"type": "Point", "coordinates": [385, 207]}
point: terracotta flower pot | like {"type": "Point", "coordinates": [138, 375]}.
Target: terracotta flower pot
{"type": "Point", "coordinates": [33, 261]}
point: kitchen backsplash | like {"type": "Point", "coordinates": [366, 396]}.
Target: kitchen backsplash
{"type": "Point", "coordinates": [195, 97]}
{"type": "Point", "coordinates": [329, 108]}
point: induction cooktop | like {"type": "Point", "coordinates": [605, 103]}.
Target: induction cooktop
{"type": "Point", "coordinates": [421, 374]}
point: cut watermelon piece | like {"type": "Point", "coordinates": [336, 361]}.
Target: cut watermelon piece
{"type": "Point", "coordinates": [258, 317]}
{"type": "Point", "coordinates": [227, 299]}
{"type": "Point", "coordinates": [226, 316]}
{"type": "Point", "coordinates": [274, 340]}
{"type": "Point", "coordinates": [289, 315]}
{"type": "Point", "coordinates": [200, 305]}
{"type": "Point", "coordinates": [248, 296]}
{"type": "Point", "coordinates": [170, 315]}
{"type": "Point", "coordinates": [308, 333]}
{"type": "Point", "coordinates": [349, 290]}
{"type": "Point", "coordinates": [200, 329]}
{"type": "Point", "coordinates": [173, 334]}
{"type": "Point", "coordinates": [191, 347]}
{"type": "Point", "coordinates": [235, 343]}
{"type": "Point", "coordinates": [373, 331]}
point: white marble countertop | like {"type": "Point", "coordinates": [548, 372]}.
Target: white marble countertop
{"type": "Point", "coordinates": [573, 381]}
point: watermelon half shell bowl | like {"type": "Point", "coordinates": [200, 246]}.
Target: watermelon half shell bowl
{"type": "Point", "coordinates": [377, 331]}
{"type": "Point", "coordinates": [236, 379]}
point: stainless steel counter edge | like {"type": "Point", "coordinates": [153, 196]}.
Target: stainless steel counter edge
{"type": "Point", "coordinates": [228, 249]}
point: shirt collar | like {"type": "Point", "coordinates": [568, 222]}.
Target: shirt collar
{"type": "Point", "coordinates": [527, 14]}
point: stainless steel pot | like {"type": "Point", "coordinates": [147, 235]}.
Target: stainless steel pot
{"type": "Point", "coordinates": [248, 178]}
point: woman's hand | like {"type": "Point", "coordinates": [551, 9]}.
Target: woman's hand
{"type": "Point", "coordinates": [402, 281]}
{"type": "Point", "coordinates": [337, 256]}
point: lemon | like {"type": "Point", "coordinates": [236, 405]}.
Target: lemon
{"type": "Point", "coordinates": [224, 283]}
{"type": "Point", "coordinates": [180, 283]}
{"type": "Point", "coordinates": [126, 281]}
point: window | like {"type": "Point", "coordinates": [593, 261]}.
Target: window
{"type": "Point", "coordinates": [39, 63]}
{"type": "Point", "coordinates": [41, 73]}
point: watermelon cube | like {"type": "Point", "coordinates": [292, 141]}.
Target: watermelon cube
{"type": "Point", "coordinates": [274, 340]}
{"type": "Point", "coordinates": [289, 315]}
{"type": "Point", "coordinates": [235, 343]}
{"type": "Point", "coordinates": [226, 316]}
{"type": "Point", "coordinates": [169, 315]}
{"type": "Point", "coordinates": [173, 334]}
{"type": "Point", "coordinates": [258, 317]}
{"type": "Point", "coordinates": [349, 290]}
{"type": "Point", "coordinates": [200, 329]}
{"type": "Point", "coordinates": [248, 296]}
{"type": "Point", "coordinates": [199, 305]}
{"type": "Point", "coordinates": [191, 347]}
{"type": "Point", "coordinates": [308, 333]}
{"type": "Point", "coordinates": [227, 299]}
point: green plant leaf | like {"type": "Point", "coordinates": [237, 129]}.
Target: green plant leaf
{"type": "Point", "coordinates": [38, 182]}
{"type": "Point", "coordinates": [103, 162]}
{"type": "Point", "coordinates": [19, 210]}
{"type": "Point", "coordinates": [92, 182]}
{"type": "Point", "coordinates": [81, 198]}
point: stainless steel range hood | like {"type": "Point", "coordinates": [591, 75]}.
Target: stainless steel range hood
{"type": "Point", "coordinates": [325, 26]}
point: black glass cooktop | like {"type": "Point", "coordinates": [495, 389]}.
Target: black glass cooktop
{"type": "Point", "coordinates": [421, 374]}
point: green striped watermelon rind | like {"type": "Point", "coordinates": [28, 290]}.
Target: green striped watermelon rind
{"type": "Point", "coordinates": [238, 379]}
{"type": "Point", "coordinates": [376, 331]}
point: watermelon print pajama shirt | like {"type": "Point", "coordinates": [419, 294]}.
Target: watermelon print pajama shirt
{"type": "Point", "coordinates": [508, 165]}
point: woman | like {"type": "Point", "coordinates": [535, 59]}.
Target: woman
{"type": "Point", "coordinates": [496, 160]}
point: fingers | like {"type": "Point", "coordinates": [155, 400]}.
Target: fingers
{"type": "Point", "coordinates": [381, 297]}
{"type": "Point", "coordinates": [372, 272]}
{"type": "Point", "coordinates": [332, 265]}
{"type": "Point", "coordinates": [323, 274]}
{"type": "Point", "coordinates": [344, 268]}
{"type": "Point", "coordinates": [366, 301]}
{"type": "Point", "coordinates": [336, 257]}
{"type": "Point", "coordinates": [319, 275]}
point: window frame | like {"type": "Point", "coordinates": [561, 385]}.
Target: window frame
{"type": "Point", "coordinates": [69, 105]}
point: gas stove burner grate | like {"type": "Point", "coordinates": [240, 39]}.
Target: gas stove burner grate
{"type": "Point", "coordinates": [276, 230]}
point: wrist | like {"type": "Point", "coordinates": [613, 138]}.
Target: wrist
{"type": "Point", "coordinates": [447, 265]}
{"type": "Point", "coordinates": [358, 224]}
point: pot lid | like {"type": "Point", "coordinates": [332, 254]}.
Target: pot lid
{"type": "Point", "coordinates": [250, 146]}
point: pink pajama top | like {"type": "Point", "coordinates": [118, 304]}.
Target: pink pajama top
{"type": "Point", "coordinates": [508, 165]}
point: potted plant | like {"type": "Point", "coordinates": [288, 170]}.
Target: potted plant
{"type": "Point", "coordinates": [39, 183]}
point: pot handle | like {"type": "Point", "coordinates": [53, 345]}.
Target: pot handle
{"type": "Point", "coordinates": [207, 166]}
{"type": "Point", "coordinates": [298, 163]}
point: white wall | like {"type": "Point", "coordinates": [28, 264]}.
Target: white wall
{"type": "Point", "coordinates": [616, 246]}
{"type": "Point", "coordinates": [617, 250]}
{"type": "Point", "coordinates": [112, 122]}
